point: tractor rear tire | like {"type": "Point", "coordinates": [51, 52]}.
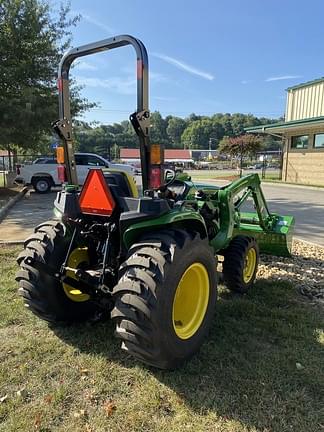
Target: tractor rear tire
{"type": "Point", "coordinates": [240, 264]}
{"type": "Point", "coordinates": [165, 297]}
{"type": "Point", "coordinates": [44, 295]}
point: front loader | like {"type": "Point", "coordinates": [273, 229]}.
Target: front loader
{"type": "Point", "coordinates": [150, 261]}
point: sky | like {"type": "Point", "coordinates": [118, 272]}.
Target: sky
{"type": "Point", "coordinates": [204, 56]}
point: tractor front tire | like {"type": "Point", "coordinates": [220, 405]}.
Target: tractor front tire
{"type": "Point", "coordinates": [165, 297]}
{"type": "Point", "coordinates": [44, 295]}
{"type": "Point", "coordinates": [240, 264]}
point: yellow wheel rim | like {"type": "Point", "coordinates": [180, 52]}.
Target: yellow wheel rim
{"type": "Point", "coordinates": [249, 267]}
{"type": "Point", "coordinates": [190, 301]}
{"type": "Point", "coordinates": [77, 257]}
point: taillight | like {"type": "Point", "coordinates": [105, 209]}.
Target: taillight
{"type": "Point", "coordinates": [61, 173]}
{"type": "Point", "coordinates": [95, 197]}
{"type": "Point", "coordinates": [155, 179]}
{"type": "Point", "coordinates": [156, 164]}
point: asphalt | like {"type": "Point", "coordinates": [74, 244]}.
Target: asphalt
{"type": "Point", "coordinates": [305, 204]}
{"type": "Point", "coordinates": [30, 211]}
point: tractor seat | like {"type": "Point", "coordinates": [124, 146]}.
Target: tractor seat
{"type": "Point", "coordinates": [121, 185]}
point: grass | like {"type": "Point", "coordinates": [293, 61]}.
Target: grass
{"type": "Point", "coordinates": [231, 176]}
{"type": "Point", "coordinates": [6, 194]}
{"type": "Point", "coordinates": [223, 175]}
{"type": "Point", "coordinates": [244, 378]}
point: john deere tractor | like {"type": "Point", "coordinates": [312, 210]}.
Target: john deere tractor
{"type": "Point", "coordinates": [150, 261]}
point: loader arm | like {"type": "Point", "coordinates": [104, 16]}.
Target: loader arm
{"type": "Point", "coordinates": [273, 232]}
{"type": "Point", "coordinates": [250, 186]}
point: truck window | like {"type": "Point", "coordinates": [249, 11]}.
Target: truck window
{"type": "Point", "coordinates": [81, 160]}
{"type": "Point", "coordinates": [94, 161]}
{"type": "Point", "coordinates": [50, 161]}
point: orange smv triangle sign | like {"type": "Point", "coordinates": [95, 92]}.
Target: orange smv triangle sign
{"type": "Point", "coordinates": [95, 197]}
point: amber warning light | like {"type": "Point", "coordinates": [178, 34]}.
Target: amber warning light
{"type": "Point", "coordinates": [60, 155]}
{"type": "Point", "coordinates": [95, 197]}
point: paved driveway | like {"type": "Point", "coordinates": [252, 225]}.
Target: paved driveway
{"type": "Point", "coordinates": [32, 210]}
{"type": "Point", "coordinates": [306, 204]}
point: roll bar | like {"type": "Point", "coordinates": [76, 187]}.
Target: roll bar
{"type": "Point", "coordinates": [139, 119]}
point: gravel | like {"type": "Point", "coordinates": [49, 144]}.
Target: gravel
{"type": "Point", "coordinates": [305, 269]}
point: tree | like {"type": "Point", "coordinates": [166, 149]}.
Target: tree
{"type": "Point", "coordinates": [158, 129]}
{"type": "Point", "coordinates": [271, 143]}
{"type": "Point", "coordinates": [176, 126]}
{"type": "Point", "coordinates": [198, 133]}
{"type": "Point", "coordinates": [32, 42]}
{"type": "Point", "coordinates": [243, 145]}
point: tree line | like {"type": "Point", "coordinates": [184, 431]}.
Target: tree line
{"type": "Point", "coordinates": [193, 132]}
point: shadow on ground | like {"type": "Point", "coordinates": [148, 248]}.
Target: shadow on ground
{"type": "Point", "coordinates": [6, 194]}
{"type": "Point", "coordinates": [260, 364]}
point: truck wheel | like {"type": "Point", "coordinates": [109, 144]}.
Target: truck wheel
{"type": "Point", "coordinates": [45, 296]}
{"type": "Point", "coordinates": [240, 264]}
{"type": "Point", "coordinates": [165, 297]}
{"type": "Point", "coordinates": [42, 185]}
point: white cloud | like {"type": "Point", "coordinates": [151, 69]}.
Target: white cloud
{"type": "Point", "coordinates": [130, 70]}
{"type": "Point", "coordinates": [97, 23]}
{"type": "Point", "coordinates": [283, 77]}
{"type": "Point", "coordinates": [184, 66]}
{"type": "Point", "coordinates": [245, 81]}
{"type": "Point", "coordinates": [83, 65]}
{"type": "Point", "coordinates": [157, 77]}
{"type": "Point", "coordinates": [124, 86]}
{"type": "Point", "coordinates": [165, 98]}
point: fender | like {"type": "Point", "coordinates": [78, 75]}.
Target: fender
{"type": "Point", "coordinates": [186, 219]}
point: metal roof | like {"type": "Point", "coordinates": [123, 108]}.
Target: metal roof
{"type": "Point", "coordinates": [305, 84]}
{"type": "Point", "coordinates": [282, 127]}
{"type": "Point", "coordinates": [174, 154]}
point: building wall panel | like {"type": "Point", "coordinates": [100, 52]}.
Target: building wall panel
{"type": "Point", "coordinates": [304, 168]}
{"type": "Point", "coordinates": [305, 102]}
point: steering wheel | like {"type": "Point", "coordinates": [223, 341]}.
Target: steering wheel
{"type": "Point", "coordinates": [169, 176]}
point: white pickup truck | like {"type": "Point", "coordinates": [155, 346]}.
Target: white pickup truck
{"type": "Point", "coordinates": [42, 173]}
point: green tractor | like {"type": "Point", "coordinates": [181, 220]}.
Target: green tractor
{"type": "Point", "coordinates": [150, 261]}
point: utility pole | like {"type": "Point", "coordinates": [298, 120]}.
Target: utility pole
{"type": "Point", "coordinates": [209, 146]}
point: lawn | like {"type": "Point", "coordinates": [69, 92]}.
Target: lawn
{"type": "Point", "coordinates": [261, 369]}
{"type": "Point", "coordinates": [229, 175]}
{"type": "Point", "coordinates": [6, 194]}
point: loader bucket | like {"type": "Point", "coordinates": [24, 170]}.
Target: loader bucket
{"type": "Point", "coordinates": [275, 241]}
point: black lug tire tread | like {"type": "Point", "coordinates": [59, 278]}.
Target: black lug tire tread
{"type": "Point", "coordinates": [41, 293]}
{"type": "Point", "coordinates": [45, 226]}
{"type": "Point", "coordinates": [139, 295]}
{"type": "Point", "coordinates": [234, 262]}
{"type": "Point", "coordinates": [49, 182]}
